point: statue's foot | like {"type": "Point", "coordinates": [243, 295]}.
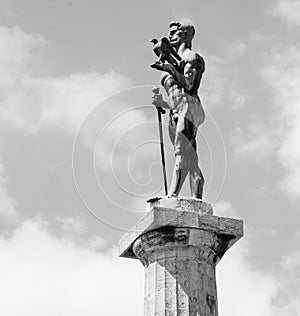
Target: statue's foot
{"type": "Point", "coordinates": [157, 65]}
{"type": "Point", "coordinates": [154, 199]}
{"type": "Point", "coordinates": [157, 198]}
{"type": "Point", "coordinates": [169, 196]}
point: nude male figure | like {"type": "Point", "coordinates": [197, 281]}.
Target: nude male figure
{"type": "Point", "coordinates": [186, 111]}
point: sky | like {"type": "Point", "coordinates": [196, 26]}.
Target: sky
{"type": "Point", "coordinates": [79, 151]}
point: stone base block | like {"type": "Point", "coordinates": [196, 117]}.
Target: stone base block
{"type": "Point", "coordinates": [179, 242]}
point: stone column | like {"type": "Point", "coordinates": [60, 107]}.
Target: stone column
{"type": "Point", "coordinates": [179, 242]}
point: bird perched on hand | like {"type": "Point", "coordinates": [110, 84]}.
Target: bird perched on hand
{"type": "Point", "coordinates": [166, 52]}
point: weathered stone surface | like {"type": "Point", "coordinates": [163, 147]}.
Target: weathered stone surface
{"type": "Point", "coordinates": [179, 248]}
{"type": "Point", "coordinates": [187, 212]}
{"type": "Point", "coordinates": [180, 271]}
{"type": "Point", "coordinates": [188, 204]}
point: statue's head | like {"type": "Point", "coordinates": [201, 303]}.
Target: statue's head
{"type": "Point", "coordinates": [181, 32]}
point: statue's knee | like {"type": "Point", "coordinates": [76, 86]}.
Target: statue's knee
{"type": "Point", "coordinates": [202, 181]}
{"type": "Point", "coordinates": [199, 178]}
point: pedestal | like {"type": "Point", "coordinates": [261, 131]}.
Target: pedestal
{"type": "Point", "coordinates": [179, 242]}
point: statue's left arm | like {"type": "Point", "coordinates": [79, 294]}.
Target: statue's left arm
{"type": "Point", "coordinates": [191, 68]}
{"type": "Point", "coordinates": [186, 80]}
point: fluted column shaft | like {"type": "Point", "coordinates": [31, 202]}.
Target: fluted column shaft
{"type": "Point", "coordinates": [179, 271]}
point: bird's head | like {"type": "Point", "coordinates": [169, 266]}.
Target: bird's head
{"type": "Point", "coordinates": [154, 41]}
{"type": "Point", "coordinates": [165, 40]}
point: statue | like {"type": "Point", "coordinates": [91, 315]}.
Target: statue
{"type": "Point", "coordinates": [182, 71]}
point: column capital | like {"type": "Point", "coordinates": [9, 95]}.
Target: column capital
{"type": "Point", "coordinates": [170, 242]}
{"type": "Point", "coordinates": [179, 214]}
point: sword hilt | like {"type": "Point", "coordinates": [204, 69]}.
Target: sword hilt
{"type": "Point", "coordinates": [156, 91]}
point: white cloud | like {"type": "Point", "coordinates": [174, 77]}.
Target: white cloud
{"type": "Point", "coordinates": [8, 205]}
{"type": "Point", "coordinates": [129, 136]}
{"type": "Point", "coordinates": [287, 298]}
{"type": "Point", "coordinates": [289, 10]}
{"type": "Point", "coordinates": [72, 225]}
{"type": "Point", "coordinates": [237, 97]}
{"type": "Point", "coordinates": [49, 276]}
{"type": "Point", "coordinates": [253, 142]}
{"type": "Point", "coordinates": [217, 76]}
{"type": "Point", "coordinates": [282, 75]}
{"type": "Point", "coordinates": [292, 261]}
{"type": "Point", "coordinates": [213, 82]}
{"type": "Point", "coordinates": [177, 16]}
{"type": "Point", "coordinates": [186, 19]}
{"type": "Point", "coordinates": [237, 49]}
{"type": "Point", "coordinates": [97, 243]}
{"type": "Point", "coordinates": [30, 99]}
{"type": "Point", "coordinates": [20, 52]}
{"type": "Point", "coordinates": [6, 10]}
{"type": "Point", "coordinates": [277, 137]}
{"type": "Point", "coordinates": [33, 101]}
{"type": "Point", "coordinates": [224, 208]}
{"type": "Point", "coordinates": [243, 290]}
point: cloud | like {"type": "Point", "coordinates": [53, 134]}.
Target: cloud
{"type": "Point", "coordinates": [237, 49]}
{"type": "Point", "coordinates": [243, 290]}
{"type": "Point", "coordinates": [272, 134]}
{"type": "Point", "coordinates": [237, 97]}
{"type": "Point", "coordinates": [288, 10]}
{"type": "Point", "coordinates": [32, 100]}
{"type": "Point", "coordinates": [224, 208]}
{"type": "Point", "coordinates": [6, 10]}
{"type": "Point", "coordinates": [177, 16]}
{"type": "Point", "coordinates": [46, 275]}
{"type": "Point", "coordinates": [253, 142]}
{"type": "Point", "coordinates": [72, 225]}
{"type": "Point", "coordinates": [287, 298]}
{"type": "Point", "coordinates": [218, 76]}
{"type": "Point", "coordinates": [130, 135]}
{"type": "Point", "coordinates": [51, 276]}
{"type": "Point", "coordinates": [282, 75]}
{"type": "Point", "coordinates": [9, 215]}
{"type": "Point", "coordinates": [213, 82]}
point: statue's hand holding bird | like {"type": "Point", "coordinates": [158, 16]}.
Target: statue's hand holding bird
{"type": "Point", "coordinates": [168, 58]}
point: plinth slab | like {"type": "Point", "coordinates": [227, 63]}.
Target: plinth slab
{"type": "Point", "coordinates": [180, 212]}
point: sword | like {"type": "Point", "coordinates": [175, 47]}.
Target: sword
{"type": "Point", "coordinates": [160, 111]}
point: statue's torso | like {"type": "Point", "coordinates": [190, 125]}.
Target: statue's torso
{"type": "Point", "coordinates": [186, 103]}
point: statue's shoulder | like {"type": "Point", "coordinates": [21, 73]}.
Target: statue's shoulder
{"type": "Point", "coordinates": [195, 59]}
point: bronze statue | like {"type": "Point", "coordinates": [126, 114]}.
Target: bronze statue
{"type": "Point", "coordinates": [186, 112]}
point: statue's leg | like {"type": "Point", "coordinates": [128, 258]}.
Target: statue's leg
{"type": "Point", "coordinates": [172, 127]}
{"type": "Point", "coordinates": [179, 175]}
{"type": "Point", "coordinates": [181, 143]}
{"type": "Point", "coordinates": [196, 176]}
